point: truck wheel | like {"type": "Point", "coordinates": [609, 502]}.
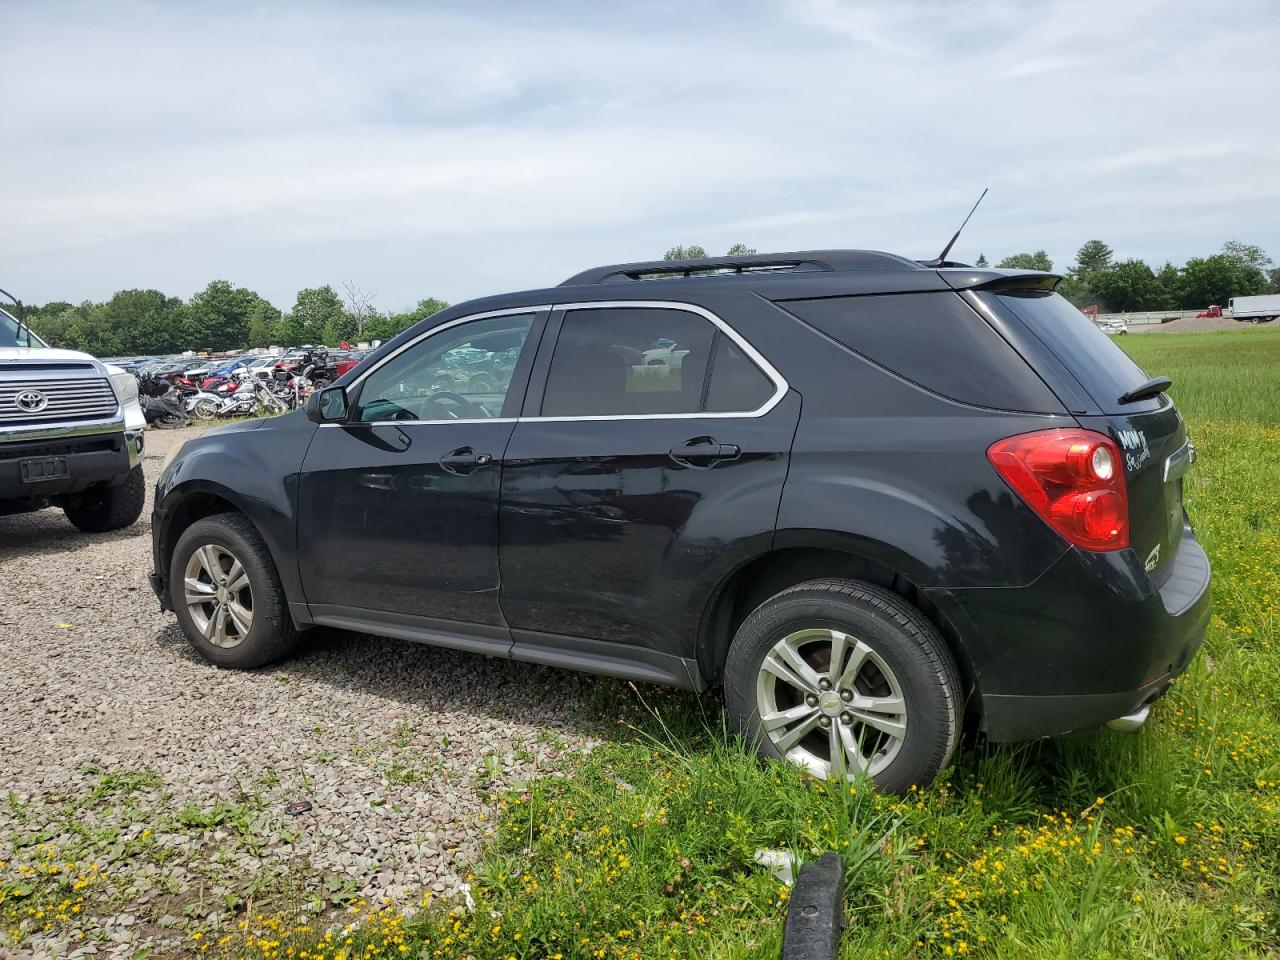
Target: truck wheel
{"type": "Point", "coordinates": [227, 595]}
{"type": "Point", "coordinates": [844, 678]}
{"type": "Point", "coordinates": [108, 508]}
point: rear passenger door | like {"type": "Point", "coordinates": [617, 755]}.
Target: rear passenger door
{"type": "Point", "coordinates": [648, 462]}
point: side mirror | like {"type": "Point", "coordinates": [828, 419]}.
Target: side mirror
{"type": "Point", "coordinates": [327, 406]}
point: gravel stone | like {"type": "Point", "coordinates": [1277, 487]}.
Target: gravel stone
{"type": "Point", "coordinates": [387, 739]}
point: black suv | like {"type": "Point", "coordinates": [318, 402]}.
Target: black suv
{"type": "Point", "coordinates": [871, 497]}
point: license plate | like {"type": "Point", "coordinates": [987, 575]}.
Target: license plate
{"type": "Point", "coordinates": [43, 468]}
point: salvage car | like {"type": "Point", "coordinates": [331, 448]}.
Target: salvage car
{"type": "Point", "coordinates": [876, 501]}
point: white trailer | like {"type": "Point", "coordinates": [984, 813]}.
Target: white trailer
{"type": "Point", "coordinates": [1255, 309]}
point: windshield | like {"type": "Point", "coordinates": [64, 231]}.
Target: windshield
{"type": "Point", "coordinates": [9, 333]}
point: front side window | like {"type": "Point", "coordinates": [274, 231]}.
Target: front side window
{"type": "Point", "coordinates": [642, 361]}
{"type": "Point", "coordinates": [461, 373]}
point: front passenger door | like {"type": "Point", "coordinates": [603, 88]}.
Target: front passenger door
{"type": "Point", "coordinates": [398, 516]}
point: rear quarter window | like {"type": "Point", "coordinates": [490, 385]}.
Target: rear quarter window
{"type": "Point", "coordinates": [1101, 367]}
{"type": "Point", "coordinates": [934, 340]}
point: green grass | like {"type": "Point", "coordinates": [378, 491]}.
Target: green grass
{"type": "Point", "coordinates": [1161, 844]}
{"type": "Point", "coordinates": [1216, 376]}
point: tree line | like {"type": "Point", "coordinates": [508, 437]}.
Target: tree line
{"type": "Point", "coordinates": [219, 317]}
{"type": "Point", "coordinates": [1237, 270]}
{"type": "Point", "coordinates": [227, 317]}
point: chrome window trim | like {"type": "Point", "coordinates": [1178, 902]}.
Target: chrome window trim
{"type": "Point", "coordinates": [410, 423]}
{"type": "Point", "coordinates": [779, 382]}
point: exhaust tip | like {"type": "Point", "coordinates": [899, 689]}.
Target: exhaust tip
{"type": "Point", "coordinates": [1131, 722]}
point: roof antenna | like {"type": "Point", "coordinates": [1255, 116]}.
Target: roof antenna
{"type": "Point", "coordinates": [941, 260]}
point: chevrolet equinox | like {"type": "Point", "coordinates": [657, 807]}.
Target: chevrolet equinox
{"type": "Point", "coordinates": [874, 499]}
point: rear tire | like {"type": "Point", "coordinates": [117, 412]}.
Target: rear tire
{"type": "Point", "coordinates": [108, 508]}
{"type": "Point", "coordinates": [870, 685]}
{"type": "Point", "coordinates": [227, 595]}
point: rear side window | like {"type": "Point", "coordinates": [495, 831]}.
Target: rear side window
{"type": "Point", "coordinates": [641, 361]}
{"type": "Point", "coordinates": [1101, 367]}
{"type": "Point", "coordinates": [935, 340]}
{"type": "Point", "coordinates": [736, 382]}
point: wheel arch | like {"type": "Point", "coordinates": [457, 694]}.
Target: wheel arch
{"type": "Point", "coordinates": [197, 499]}
{"type": "Point", "coordinates": [801, 556]}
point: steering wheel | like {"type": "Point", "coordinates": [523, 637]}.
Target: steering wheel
{"type": "Point", "coordinates": [468, 409]}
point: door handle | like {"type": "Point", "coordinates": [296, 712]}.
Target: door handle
{"type": "Point", "coordinates": [464, 461]}
{"type": "Point", "coordinates": [704, 452]}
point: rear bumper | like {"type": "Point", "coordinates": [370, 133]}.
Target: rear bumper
{"type": "Point", "coordinates": [1090, 641]}
{"type": "Point", "coordinates": [1010, 717]}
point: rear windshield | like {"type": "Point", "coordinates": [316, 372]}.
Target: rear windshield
{"type": "Point", "coordinates": [1102, 368]}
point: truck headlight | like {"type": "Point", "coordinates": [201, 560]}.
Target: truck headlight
{"type": "Point", "coordinates": [126, 387]}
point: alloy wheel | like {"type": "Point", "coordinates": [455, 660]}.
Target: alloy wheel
{"type": "Point", "coordinates": [218, 596]}
{"type": "Point", "coordinates": [830, 704]}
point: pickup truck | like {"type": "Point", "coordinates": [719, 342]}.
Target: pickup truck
{"type": "Point", "coordinates": [71, 432]}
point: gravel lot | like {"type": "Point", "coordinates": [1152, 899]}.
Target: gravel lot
{"type": "Point", "coordinates": [163, 780]}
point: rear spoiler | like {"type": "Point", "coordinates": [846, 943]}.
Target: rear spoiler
{"type": "Point", "coordinates": [970, 278]}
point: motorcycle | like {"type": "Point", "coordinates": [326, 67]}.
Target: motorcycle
{"type": "Point", "coordinates": [290, 387]}
{"type": "Point", "coordinates": [251, 397]}
{"type": "Point", "coordinates": [161, 404]}
{"type": "Point", "coordinates": [316, 367]}
{"type": "Point", "coordinates": [204, 405]}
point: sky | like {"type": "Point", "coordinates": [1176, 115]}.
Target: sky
{"type": "Point", "coordinates": [461, 149]}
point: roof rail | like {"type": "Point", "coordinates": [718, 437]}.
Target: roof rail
{"type": "Point", "coordinates": [800, 261]}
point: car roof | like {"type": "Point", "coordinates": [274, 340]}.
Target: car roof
{"type": "Point", "coordinates": [774, 276]}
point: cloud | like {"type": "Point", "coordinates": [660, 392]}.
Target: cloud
{"type": "Point", "coordinates": [455, 150]}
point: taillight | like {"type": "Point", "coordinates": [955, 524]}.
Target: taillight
{"type": "Point", "coordinates": [1072, 479]}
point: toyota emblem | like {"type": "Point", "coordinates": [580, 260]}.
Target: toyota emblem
{"type": "Point", "coordinates": [31, 401]}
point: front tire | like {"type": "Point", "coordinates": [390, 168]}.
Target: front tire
{"type": "Point", "coordinates": [845, 678]}
{"type": "Point", "coordinates": [102, 509]}
{"type": "Point", "coordinates": [206, 409]}
{"type": "Point", "coordinates": [227, 595]}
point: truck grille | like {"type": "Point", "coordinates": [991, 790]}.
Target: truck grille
{"type": "Point", "coordinates": [64, 398]}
